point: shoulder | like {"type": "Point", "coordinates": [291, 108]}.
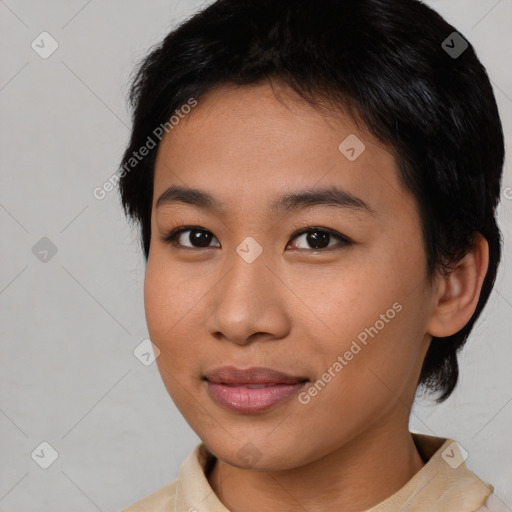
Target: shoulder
{"type": "Point", "coordinates": [443, 484]}
{"type": "Point", "coordinates": [493, 504]}
{"type": "Point", "coordinates": [191, 486]}
{"type": "Point", "coordinates": [161, 500]}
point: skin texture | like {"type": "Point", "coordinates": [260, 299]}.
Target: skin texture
{"type": "Point", "coordinates": [294, 308]}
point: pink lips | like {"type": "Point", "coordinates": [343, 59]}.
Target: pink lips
{"type": "Point", "coordinates": [251, 390]}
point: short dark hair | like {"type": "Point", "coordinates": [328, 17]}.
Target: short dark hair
{"type": "Point", "coordinates": [388, 64]}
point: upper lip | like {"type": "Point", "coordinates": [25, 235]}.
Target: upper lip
{"type": "Point", "coordinates": [253, 375]}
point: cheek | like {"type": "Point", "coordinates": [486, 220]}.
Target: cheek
{"type": "Point", "coordinates": [162, 310]}
{"type": "Point", "coordinates": [164, 319]}
{"type": "Point", "coordinates": [172, 312]}
{"type": "Point", "coordinates": [155, 301]}
{"type": "Point", "coordinates": [346, 306]}
{"type": "Point", "coordinates": [377, 327]}
{"type": "Point", "coordinates": [167, 298]}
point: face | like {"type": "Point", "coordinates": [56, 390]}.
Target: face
{"type": "Point", "coordinates": [326, 288]}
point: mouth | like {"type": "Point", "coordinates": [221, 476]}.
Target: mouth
{"type": "Point", "coordinates": [254, 376]}
{"type": "Point", "coordinates": [253, 389]}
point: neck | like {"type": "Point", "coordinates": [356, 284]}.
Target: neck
{"type": "Point", "coordinates": [355, 477]}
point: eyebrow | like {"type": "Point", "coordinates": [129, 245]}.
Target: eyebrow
{"type": "Point", "coordinates": [328, 196]}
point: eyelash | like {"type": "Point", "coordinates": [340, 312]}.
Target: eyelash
{"type": "Point", "coordinates": [169, 238]}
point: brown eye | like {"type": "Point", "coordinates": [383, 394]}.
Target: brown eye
{"type": "Point", "coordinates": [320, 239]}
{"type": "Point", "coordinates": [313, 238]}
{"type": "Point", "coordinates": [192, 237]}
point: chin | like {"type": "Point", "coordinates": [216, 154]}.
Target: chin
{"type": "Point", "coordinates": [255, 455]}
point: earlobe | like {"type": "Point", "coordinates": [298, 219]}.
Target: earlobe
{"type": "Point", "coordinates": [459, 291]}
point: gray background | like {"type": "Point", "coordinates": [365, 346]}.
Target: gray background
{"type": "Point", "coordinates": [70, 324]}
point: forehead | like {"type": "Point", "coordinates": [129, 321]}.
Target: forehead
{"type": "Point", "coordinates": [248, 145]}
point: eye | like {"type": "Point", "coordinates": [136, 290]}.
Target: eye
{"type": "Point", "coordinates": [320, 238]}
{"type": "Point", "coordinates": [197, 237]}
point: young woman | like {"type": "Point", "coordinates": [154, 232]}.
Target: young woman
{"type": "Point", "coordinates": [316, 186]}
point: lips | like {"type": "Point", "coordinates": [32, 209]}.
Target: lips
{"type": "Point", "coordinates": [251, 390]}
{"type": "Point", "coordinates": [254, 377]}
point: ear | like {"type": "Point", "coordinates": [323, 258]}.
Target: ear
{"type": "Point", "coordinates": [459, 291]}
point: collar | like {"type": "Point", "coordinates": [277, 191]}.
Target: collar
{"type": "Point", "coordinates": [444, 483]}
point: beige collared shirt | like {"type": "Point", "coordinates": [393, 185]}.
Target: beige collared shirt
{"type": "Point", "coordinates": [444, 484]}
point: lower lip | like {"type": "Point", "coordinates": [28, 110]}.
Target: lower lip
{"type": "Point", "coordinates": [244, 399]}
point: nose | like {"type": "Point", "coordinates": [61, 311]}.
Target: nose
{"type": "Point", "coordinates": [249, 303]}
